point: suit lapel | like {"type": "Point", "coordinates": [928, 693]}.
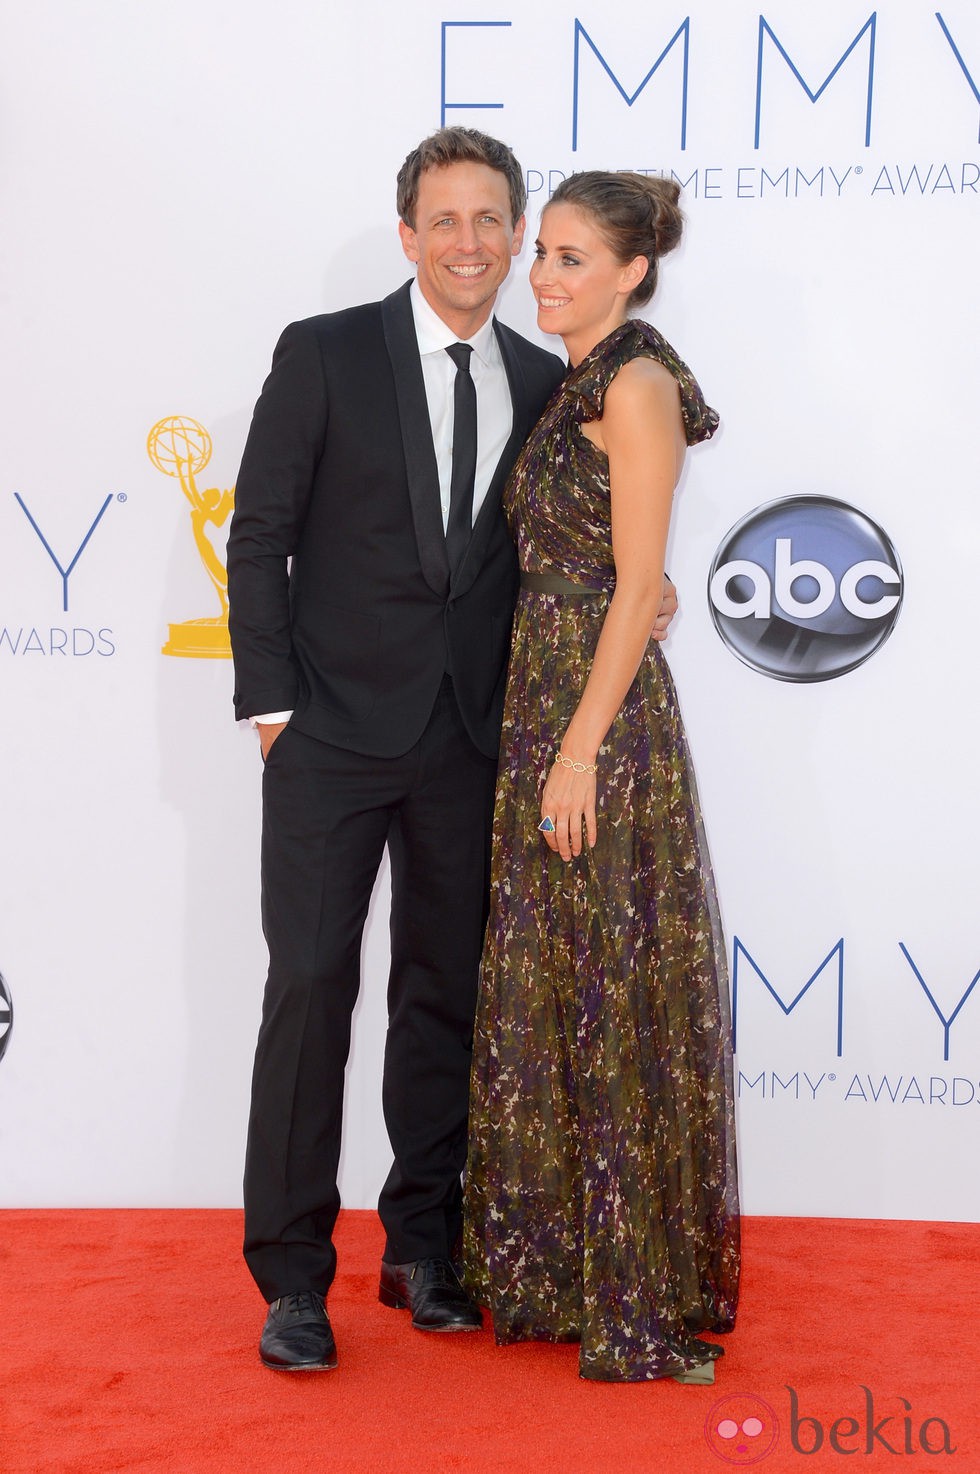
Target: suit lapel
{"type": "Point", "coordinates": [420, 456]}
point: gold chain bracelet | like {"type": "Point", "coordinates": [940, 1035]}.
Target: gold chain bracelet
{"type": "Point", "coordinates": [566, 762]}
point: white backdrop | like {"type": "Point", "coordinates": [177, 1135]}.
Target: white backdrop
{"type": "Point", "coordinates": [180, 180]}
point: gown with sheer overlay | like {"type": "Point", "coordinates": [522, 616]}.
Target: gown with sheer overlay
{"type": "Point", "coordinates": [601, 1196]}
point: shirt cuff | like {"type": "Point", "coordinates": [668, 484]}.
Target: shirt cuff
{"type": "Point", "coordinates": [269, 718]}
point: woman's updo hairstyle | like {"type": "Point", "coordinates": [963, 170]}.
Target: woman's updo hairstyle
{"type": "Point", "coordinates": [636, 214]}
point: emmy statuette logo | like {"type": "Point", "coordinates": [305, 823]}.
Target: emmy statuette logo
{"type": "Point", "coordinates": [181, 448]}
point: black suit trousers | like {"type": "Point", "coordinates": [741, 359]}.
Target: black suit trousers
{"type": "Point", "coordinates": [327, 815]}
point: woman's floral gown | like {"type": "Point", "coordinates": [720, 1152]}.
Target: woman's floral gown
{"type": "Point", "coordinates": [601, 1196]}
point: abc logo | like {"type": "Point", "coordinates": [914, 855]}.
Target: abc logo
{"type": "Point", "coordinates": [805, 588]}
{"type": "Point", "coordinates": [6, 1016]}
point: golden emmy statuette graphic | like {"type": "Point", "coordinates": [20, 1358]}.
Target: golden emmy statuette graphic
{"type": "Point", "coordinates": [181, 448]}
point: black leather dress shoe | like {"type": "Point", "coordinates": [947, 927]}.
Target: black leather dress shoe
{"type": "Point", "coordinates": [296, 1336]}
{"type": "Point", "coordinates": [431, 1290]}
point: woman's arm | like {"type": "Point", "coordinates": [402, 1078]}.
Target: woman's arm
{"type": "Point", "coordinates": [642, 433]}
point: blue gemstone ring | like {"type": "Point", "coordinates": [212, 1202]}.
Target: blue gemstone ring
{"type": "Point", "coordinates": [547, 826]}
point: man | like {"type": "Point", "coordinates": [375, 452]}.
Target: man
{"type": "Point", "coordinates": [374, 665]}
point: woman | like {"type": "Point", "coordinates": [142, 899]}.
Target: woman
{"type": "Point", "coordinates": [601, 1198]}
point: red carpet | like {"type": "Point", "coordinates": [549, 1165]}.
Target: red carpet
{"type": "Point", "coordinates": [129, 1343]}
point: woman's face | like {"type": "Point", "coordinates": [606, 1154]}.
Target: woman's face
{"type": "Point", "coordinates": [580, 287]}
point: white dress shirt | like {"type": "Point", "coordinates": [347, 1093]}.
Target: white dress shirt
{"type": "Point", "coordinates": [494, 410]}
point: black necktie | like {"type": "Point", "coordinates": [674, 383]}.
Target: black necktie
{"type": "Point", "coordinates": [460, 523]}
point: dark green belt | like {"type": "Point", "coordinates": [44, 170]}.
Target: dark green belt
{"type": "Point", "coordinates": [553, 583]}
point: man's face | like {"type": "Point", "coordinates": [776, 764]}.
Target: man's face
{"type": "Point", "coordinates": [463, 242]}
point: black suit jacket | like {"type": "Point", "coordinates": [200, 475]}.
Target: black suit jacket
{"type": "Point", "coordinates": [339, 477]}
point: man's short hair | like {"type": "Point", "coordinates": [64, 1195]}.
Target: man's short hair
{"type": "Point", "coordinates": [458, 146]}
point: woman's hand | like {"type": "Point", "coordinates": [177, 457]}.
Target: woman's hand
{"type": "Point", "coordinates": [569, 800]}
